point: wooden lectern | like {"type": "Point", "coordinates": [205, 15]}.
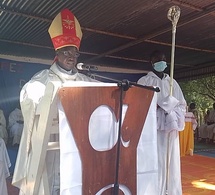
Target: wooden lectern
{"type": "Point", "coordinates": [98, 167]}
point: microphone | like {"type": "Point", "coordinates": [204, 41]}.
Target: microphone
{"type": "Point", "coordinates": [82, 66]}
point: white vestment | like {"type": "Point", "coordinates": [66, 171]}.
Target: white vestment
{"type": "Point", "coordinates": [30, 96]}
{"type": "Point", "coordinates": [15, 125]}
{"type": "Point", "coordinates": [4, 167]}
{"type": "Point", "coordinates": [168, 141]}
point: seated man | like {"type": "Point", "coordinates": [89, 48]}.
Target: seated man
{"type": "Point", "coordinates": [15, 125]}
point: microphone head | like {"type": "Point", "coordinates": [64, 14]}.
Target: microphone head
{"type": "Point", "coordinates": [79, 66]}
{"type": "Point", "coordinates": [82, 66]}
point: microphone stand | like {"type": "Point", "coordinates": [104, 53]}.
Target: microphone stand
{"type": "Point", "coordinates": [124, 85]}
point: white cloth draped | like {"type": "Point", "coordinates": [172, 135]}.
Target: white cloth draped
{"type": "Point", "coordinates": [70, 164]}
{"type": "Point", "coordinates": [169, 115]}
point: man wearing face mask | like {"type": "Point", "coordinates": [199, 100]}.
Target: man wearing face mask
{"type": "Point", "coordinates": [66, 34]}
{"type": "Point", "coordinates": [170, 119]}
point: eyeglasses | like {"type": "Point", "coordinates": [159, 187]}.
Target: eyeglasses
{"type": "Point", "coordinates": [70, 53]}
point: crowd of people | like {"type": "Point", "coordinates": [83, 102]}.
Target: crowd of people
{"type": "Point", "coordinates": [205, 131]}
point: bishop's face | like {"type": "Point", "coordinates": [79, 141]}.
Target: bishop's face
{"type": "Point", "coordinates": [67, 57]}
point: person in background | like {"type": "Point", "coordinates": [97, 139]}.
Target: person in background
{"type": "Point", "coordinates": [211, 125]}
{"type": "Point", "coordinates": [66, 34]}
{"type": "Point", "coordinates": [3, 130]}
{"type": "Point", "coordinates": [192, 108]}
{"type": "Point", "coordinates": [15, 125]}
{"type": "Point", "coordinates": [213, 136]}
{"type": "Point", "coordinates": [186, 137]}
{"type": "Point", "coordinates": [170, 119]}
{"type": "Point", "coordinates": [206, 117]}
{"type": "Point", "coordinates": [203, 134]}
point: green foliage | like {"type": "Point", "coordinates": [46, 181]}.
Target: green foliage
{"type": "Point", "coordinates": [200, 91]}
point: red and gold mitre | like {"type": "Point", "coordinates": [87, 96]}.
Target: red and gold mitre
{"type": "Point", "coordinates": [65, 30]}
